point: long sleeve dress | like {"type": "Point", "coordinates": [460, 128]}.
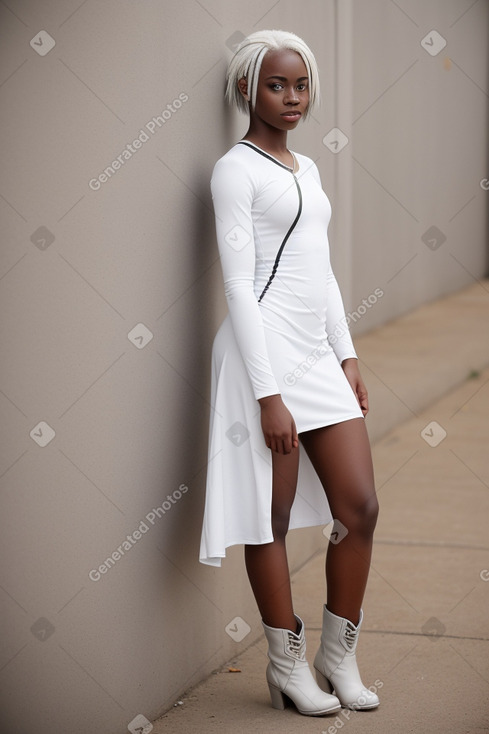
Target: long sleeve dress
{"type": "Point", "coordinates": [285, 333]}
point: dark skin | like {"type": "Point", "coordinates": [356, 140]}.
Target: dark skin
{"type": "Point", "coordinates": [340, 453]}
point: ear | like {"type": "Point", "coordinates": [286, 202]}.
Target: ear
{"type": "Point", "coordinates": [243, 88]}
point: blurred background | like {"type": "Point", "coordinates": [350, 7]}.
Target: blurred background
{"type": "Point", "coordinates": [112, 117]}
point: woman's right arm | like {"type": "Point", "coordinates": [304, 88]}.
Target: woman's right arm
{"type": "Point", "coordinates": [232, 189]}
{"type": "Point", "coordinates": [278, 425]}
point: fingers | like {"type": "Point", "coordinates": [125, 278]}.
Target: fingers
{"type": "Point", "coordinates": [357, 386]}
{"type": "Point", "coordinates": [362, 397]}
{"type": "Point", "coordinates": [295, 436]}
{"type": "Point", "coordinates": [288, 443]}
{"type": "Point", "coordinates": [280, 445]}
{"type": "Point", "coordinates": [283, 444]}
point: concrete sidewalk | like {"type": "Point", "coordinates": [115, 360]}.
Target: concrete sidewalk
{"type": "Point", "coordinates": [425, 640]}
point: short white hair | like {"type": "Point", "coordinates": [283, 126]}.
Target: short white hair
{"type": "Point", "coordinates": [248, 58]}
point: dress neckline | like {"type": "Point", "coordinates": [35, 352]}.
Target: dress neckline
{"type": "Point", "coordinates": [270, 156]}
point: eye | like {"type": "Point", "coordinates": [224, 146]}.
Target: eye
{"type": "Point", "coordinates": [276, 86]}
{"type": "Point", "coordinates": [302, 87]}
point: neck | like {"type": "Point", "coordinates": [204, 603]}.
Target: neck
{"type": "Point", "coordinates": [266, 137]}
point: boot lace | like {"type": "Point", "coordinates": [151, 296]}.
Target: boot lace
{"type": "Point", "coordinates": [295, 647]}
{"type": "Point", "coordinates": [350, 635]}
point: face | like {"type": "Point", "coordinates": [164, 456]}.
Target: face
{"type": "Point", "coordinates": [283, 89]}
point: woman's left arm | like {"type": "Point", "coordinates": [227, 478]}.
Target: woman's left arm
{"type": "Point", "coordinates": [338, 332]}
{"type": "Point", "coordinates": [352, 372]}
{"type": "Point", "coordinates": [340, 339]}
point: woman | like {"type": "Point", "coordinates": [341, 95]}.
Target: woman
{"type": "Point", "coordinates": [288, 445]}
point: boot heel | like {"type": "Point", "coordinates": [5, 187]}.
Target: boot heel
{"type": "Point", "coordinates": [278, 698]}
{"type": "Point", "coordinates": [323, 682]}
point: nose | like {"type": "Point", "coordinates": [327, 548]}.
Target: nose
{"type": "Point", "coordinates": [291, 96]}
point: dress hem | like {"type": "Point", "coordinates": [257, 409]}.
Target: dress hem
{"type": "Point", "coordinates": [216, 558]}
{"type": "Point", "coordinates": [332, 423]}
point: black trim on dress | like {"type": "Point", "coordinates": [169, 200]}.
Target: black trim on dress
{"type": "Point", "coordinates": [266, 155]}
{"type": "Point", "coordinates": [292, 226]}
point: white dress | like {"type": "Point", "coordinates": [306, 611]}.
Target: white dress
{"type": "Point", "coordinates": [286, 334]}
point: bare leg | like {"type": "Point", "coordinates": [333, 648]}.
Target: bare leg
{"type": "Point", "coordinates": [267, 564]}
{"type": "Point", "coordinates": [341, 457]}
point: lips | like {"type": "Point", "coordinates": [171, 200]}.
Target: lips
{"type": "Point", "coordinates": [294, 115]}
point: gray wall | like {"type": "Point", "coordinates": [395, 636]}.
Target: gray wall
{"type": "Point", "coordinates": [100, 422]}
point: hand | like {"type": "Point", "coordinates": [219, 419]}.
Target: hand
{"type": "Point", "coordinates": [350, 368]}
{"type": "Point", "coordinates": [278, 425]}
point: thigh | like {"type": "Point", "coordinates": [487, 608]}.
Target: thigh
{"type": "Point", "coordinates": [341, 456]}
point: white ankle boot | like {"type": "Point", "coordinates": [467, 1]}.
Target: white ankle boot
{"type": "Point", "coordinates": [289, 675]}
{"type": "Point", "coordinates": [336, 665]}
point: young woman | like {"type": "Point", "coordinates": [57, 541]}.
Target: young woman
{"type": "Point", "coordinates": [288, 445]}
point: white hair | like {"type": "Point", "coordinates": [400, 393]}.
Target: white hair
{"type": "Point", "coordinates": [248, 58]}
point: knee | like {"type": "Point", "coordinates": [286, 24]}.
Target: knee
{"type": "Point", "coordinates": [370, 514]}
{"type": "Point", "coordinates": [363, 518]}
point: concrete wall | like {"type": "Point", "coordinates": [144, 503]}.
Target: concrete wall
{"type": "Point", "coordinates": [111, 293]}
